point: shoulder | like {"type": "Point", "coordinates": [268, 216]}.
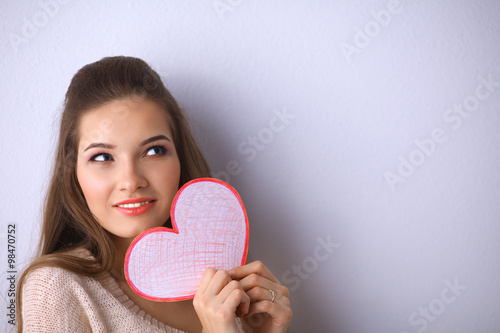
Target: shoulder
{"type": "Point", "coordinates": [50, 284]}
{"type": "Point", "coordinates": [55, 299]}
{"type": "Point", "coordinates": [53, 285]}
{"type": "Point", "coordinates": [48, 276]}
{"type": "Point", "coordinates": [51, 275]}
{"type": "Point", "coordinates": [47, 294]}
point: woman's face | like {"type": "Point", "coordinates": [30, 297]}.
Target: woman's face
{"type": "Point", "coordinates": [127, 166]}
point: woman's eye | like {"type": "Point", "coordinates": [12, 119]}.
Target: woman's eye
{"type": "Point", "coordinates": [156, 150]}
{"type": "Point", "coordinates": [101, 158]}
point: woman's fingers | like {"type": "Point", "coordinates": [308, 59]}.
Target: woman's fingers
{"type": "Point", "coordinates": [217, 301]}
{"type": "Point", "coordinates": [269, 303]}
{"type": "Point", "coordinates": [260, 284]}
{"type": "Point", "coordinates": [250, 290]}
{"type": "Point", "coordinates": [277, 295]}
{"type": "Point", "coordinates": [219, 281]}
{"type": "Point", "coordinates": [256, 267]}
{"type": "Point", "coordinates": [236, 299]}
{"type": "Point", "coordinates": [260, 288]}
{"type": "Point", "coordinates": [205, 280]}
{"type": "Point", "coordinates": [280, 315]}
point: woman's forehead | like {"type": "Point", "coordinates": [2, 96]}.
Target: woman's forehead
{"type": "Point", "coordinates": [124, 119]}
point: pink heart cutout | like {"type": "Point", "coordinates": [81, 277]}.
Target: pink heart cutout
{"type": "Point", "coordinates": [209, 229]}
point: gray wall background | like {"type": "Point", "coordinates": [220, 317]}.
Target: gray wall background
{"type": "Point", "coordinates": [361, 135]}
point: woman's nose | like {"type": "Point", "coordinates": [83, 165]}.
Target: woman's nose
{"type": "Point", "coordinates": [130, 177]}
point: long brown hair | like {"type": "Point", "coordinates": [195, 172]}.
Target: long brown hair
{"type": "Point", "coordinates": [68, 223]}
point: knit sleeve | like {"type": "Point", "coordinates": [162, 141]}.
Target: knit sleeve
{"type": "Point", "coordinates": [238, 322]}
{"type": "Point", "coordinates": [50, 304]}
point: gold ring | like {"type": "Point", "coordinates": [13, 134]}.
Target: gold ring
{"type": "Point", "coordinates": [273, 294]}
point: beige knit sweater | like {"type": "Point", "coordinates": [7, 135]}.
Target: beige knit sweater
{"type": "Point", "coordinates": [56, 300]}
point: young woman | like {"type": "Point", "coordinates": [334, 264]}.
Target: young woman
{"type": "Point", "coordinates": [124, 150]}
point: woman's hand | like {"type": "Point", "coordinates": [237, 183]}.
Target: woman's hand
{"type": "Point", "coordinates": [270, 310]}
{"type": "Point", "coordinates": [217, 301]}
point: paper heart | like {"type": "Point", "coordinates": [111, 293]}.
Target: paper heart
{"type": "Point", "coordinates": [209, 229]}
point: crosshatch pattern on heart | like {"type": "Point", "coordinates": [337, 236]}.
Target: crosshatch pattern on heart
{"type": "Point", "coordinates": [209, 229]}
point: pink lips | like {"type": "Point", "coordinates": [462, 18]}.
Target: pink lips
{"type": "Point", "coordinates": [132, 211]}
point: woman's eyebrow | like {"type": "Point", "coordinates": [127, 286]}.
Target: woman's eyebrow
{"type": "Point", "coordinates": [100, 145]}
{"type": "Point", "coordinates": [145, 142]}
{"type": "Point", "coordinates": [154, 138]}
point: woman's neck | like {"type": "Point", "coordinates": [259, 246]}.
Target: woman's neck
{"type": "Point", "coordinates": [121, 246]}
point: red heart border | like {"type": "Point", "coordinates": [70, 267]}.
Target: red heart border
{"type": "Point", "coordinates": [176, 231]}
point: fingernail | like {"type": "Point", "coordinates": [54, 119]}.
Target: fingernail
{"type": "Point", "coordinates": [231, 273]}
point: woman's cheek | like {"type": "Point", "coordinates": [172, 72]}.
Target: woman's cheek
{"type": "Point", "coordinates": [94, 185]}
